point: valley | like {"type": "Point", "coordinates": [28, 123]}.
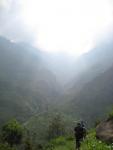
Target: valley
{"type": "Point", "coordinates": [34, 87]}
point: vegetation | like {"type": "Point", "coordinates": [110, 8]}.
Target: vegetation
{"type": "Point", "coordinates": [6, 147]}
{"type": "Point", "coordinates": [12, 133]}
{"type": "Point", "coordinates": [59, 143]}
{"type": "Point", "coordinates": [30, 92]}
{"type": "Point", "coordinates": [27, 144]}
{"type": "Point", "coordinates": [90, 143]}
{"type": "Point", "coordinates": [110, 115]}
{"type": "Point", "coordinates": [26, 84]}
{"type": "Point", "coordinates": [56, 127]}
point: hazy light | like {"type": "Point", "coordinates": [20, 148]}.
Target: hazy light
{"type": "Point", "coordinates": [66, 25]}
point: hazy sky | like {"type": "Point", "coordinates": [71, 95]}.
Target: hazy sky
{"type": "Point", "coordinates": [71, 26]}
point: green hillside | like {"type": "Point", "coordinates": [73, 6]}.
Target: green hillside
{"type": "Point", "coordinates": [27, 87]}
{"type": "Point", "coordinates": [94, 100]}
{"type": "Point", "coordinates": [90, 143]}
{"type": "Point", "coordinates": [32, 93]}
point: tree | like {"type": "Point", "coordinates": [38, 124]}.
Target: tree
{"type": "Point", "coordinates": [110, 114]}
{"type": "Point", "coordinates": [5, 147]}
{"type": "Point", "coordinates": [12, 133]}
{"type": "Point", "coordinates": [28, 144]}
{"type": "Point", "coordinates": [56, 127]}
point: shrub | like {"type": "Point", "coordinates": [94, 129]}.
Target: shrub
{"type": "Point", "coordinates": [110, 115]}
{"type": "Point", "coordinates": [97, 122]}
{"type": "Point", "coordinates": [56, 127]}
{"type": "Point", "coordinates": [49, 146]}
{"type": "Point", "coordinates": [69, 138]}
{"type": "Point", "coordinates": [12, 133]}
{"type": "Point", "coordinates": [27, 144]}
{"type": "Point", "coordinates": [91, 143]}
{"type": "Point", "coordinates": [59, 141]}
{"type": "Point", "coordinates": [5, 147]}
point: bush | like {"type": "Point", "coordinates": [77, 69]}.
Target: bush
{"type": "Point", "coordinates": [110, 115]}
{"type": "Point", "coordinates": [97, 122]}
{"type": "Point", "coordinates": [49, 146]}
{"type": "Point", "coordinates": [91, 143]}
{"type": "Point", "coordinates": [5, 147]}
{"type": "Point", "coordinates": [27, 144]}
{"type": "Point", "coordinates": [12, 133]}
{"type": "Point", "coordinates": [56, 127]}
{"type": "Point", "coordinates": [59, 141]}
{"type": "Point", "coordinates": [69, 138]}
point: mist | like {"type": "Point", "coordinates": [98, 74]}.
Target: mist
{"type": "Point", "coordinates": [56, 71]}
{"type": "Point", "coordinates": [52, 28]}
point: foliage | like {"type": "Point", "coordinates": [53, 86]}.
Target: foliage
{"type": "Point", "coordinates": [56, 127]}
{"type": "Point", "coordinates": [26, 83]}
{"type": "Point", "coordinates": [49, 146]}
{"type": "Point", "coordinates": [5, 147]}
{"type": "Point", "coordinates": [39, 126]}
{"type": "Point", "coordinates": [69, 138]}
{"type": "Point", "coordinates": [12, 132]}
{"type": "Point", "coordinates": [110, 115]}
{"type": "Point", "coordinates": [59, 141]}
{"type": "Point", "coordinates": [28, 144]}
{"type": "Point", "coordinates": [90, 143]}
{"type": "Point", "coordinates": [97, 122]}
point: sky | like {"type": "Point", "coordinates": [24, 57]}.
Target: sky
{"type": "Point", "coordinates": [70, 26]}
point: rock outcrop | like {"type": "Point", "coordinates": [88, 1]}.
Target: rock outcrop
{"type": "Point", "coordinates": [104, 131]}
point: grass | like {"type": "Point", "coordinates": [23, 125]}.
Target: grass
{"type": "Point", "coordinates": [90, 143]}
{"type": "Point", "coordinates": [64, 144]}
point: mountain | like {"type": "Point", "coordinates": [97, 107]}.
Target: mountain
{"type": "Point", "coordinates": [94, 99]}
{"type": "Point", "coordinates": [62, 65]}
{"type": "Point", "coordinates": [89, 95]}
{"type": "Point", "coordinates": [91, 64]}
{"type": "Point", "coordinates": [26, 85]}
{"type": "Point", "coordinates": [32, 81]}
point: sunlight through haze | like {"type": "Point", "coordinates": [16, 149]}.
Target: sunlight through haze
{"type": "Point", "coordinates": [70, 26]}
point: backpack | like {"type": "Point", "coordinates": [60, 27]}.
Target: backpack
{"type": "Point", "coordinates": [79, 132]}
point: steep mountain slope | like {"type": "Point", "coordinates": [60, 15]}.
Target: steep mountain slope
{"type": "Point", "coordinates": [91, 65]}
{"type": "Point", "coordinates": [90, 93]}
{"type": "Point", "coordinates": [94, 99]}
{"type": "Point", "coordinates": [26, 85]}
{"type": "Point", "coordinates": [62, 65]}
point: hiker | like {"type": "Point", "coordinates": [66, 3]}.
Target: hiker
{"type": "Point", "coordinates": [80, 133]}
{"type": "Point", "coordinates": [84, 129]}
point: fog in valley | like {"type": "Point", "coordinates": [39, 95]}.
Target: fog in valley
{"type": "Point", "coordinates": [56, 58]}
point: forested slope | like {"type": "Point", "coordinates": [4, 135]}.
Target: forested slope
{"type": "Point", "coordinates": [26, 85]}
